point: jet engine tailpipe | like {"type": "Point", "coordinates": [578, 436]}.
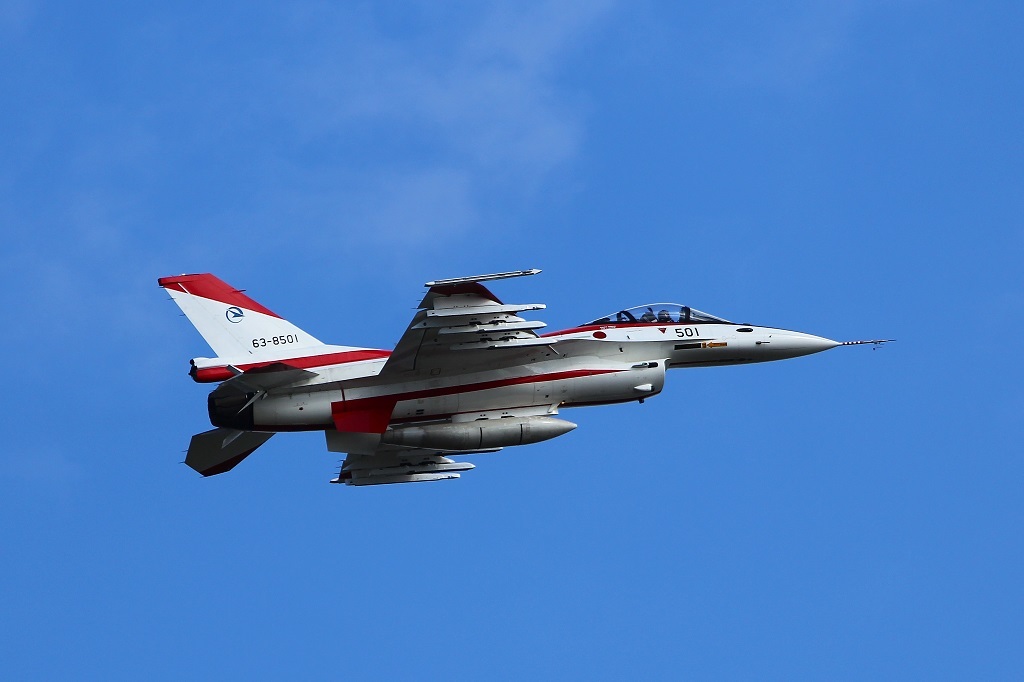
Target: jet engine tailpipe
{"type": "Point", "coordinates": [231, 409]}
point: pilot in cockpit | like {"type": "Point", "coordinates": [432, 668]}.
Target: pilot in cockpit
{"type": "Point", "coordinates": [663, 316]}
{"type": "Point", "coordinates": [648, 316]}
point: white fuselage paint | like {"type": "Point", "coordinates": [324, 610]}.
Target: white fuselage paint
{"type": "Point", "coordinates": [584, 366]}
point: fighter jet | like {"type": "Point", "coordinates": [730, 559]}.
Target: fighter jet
{"type": "Point", "coordinates": [470, 375]}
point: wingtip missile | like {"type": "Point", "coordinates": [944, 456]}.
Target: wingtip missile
{"type": "Point", "coordinates": [482, 278]}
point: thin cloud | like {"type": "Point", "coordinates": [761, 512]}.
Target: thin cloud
{"type": "Point", "coordinates": [428, 133]}
{"type": "Point", "coordinates": [484, 110]}
{"type": "Point", "coordinates": [419, 205]}
{"type": "Point", "coordinates": [790, 49]}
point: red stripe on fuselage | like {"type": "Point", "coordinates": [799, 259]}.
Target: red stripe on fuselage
{"type": "Point", "coordinates": [370, 415]}
{"type": "Point", "coordinates": [367, 413]}
{"type": "Point", "coordinates": [210, 374]}
{"type": "Point", "coordinates": [377, 400]}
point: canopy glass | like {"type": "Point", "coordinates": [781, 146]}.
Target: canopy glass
{"type": "Point", "coordinates": [659, 313]}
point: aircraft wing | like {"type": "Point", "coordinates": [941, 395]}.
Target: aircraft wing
{"type": "Point", "coordinates": [459, 327]}
{"type": "Point", "coordinates": [460, 323]}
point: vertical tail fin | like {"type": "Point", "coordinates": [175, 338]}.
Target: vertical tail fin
{"type": "Point", "coordinates": [232, 323]}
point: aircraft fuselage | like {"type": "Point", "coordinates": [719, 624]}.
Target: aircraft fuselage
{"type": "Point", "coordinates": [591, 365]}
{"type": "Point", "coordinates": [468, 375]}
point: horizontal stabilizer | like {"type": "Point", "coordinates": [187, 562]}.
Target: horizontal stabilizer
{"type": "Point", "coordinates": [220, 450]}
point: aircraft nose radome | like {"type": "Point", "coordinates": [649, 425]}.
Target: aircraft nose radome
{"type": "Point", "coordinates": [798, 343]}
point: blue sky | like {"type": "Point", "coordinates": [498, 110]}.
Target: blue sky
{"type": "Point", "coordinates": [849, 169]}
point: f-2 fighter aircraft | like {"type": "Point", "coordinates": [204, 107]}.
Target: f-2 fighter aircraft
{"type": "Point", "coordinates": [470, 375]}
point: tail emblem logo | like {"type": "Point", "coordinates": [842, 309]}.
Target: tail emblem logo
{"type": "Point", "coordinates": [234, 314]}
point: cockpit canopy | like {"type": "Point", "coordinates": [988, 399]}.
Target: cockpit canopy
{"type": "Point", "coordinates": [658, 313]}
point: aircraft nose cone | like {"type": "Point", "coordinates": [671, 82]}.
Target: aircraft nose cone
{"type": "Point", "coordinates": [797, 343]}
